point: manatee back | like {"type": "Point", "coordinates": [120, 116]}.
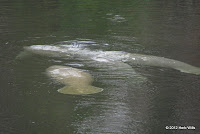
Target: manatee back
{"type": "Point", "coordinates": [68, 75]}
{"type": "Point", "coordinates": [77, 81]}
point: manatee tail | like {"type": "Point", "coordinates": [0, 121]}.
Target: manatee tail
{"type": "Point", "coordinates": [184, 67]}
{"type": "Point", "coordinates": [163, 62]}
{"type": "Point", "coordinates": [191, 70]}
{"type": "Point", "coordinates": [79, 91]}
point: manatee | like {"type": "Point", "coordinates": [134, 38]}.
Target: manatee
{"type": "Point", "coordinates": [77, 81]}
{"type": "Point", "coordinates": [106, 57]}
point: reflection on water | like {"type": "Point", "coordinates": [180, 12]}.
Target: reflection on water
{"type": "Point", "coordinates": [112, 111]}
{"type": "Point", "coordinates": [144, 101]}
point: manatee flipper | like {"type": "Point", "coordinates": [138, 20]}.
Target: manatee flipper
{"type": "Point", "coordinates": [79, 91]}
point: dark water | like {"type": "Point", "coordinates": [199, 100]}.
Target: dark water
{"type": "Point", "coordinates": [141, 103]}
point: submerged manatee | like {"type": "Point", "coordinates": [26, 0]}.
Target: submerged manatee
{"type": "Point", "coordinates": [105, 57]}
{"type": "Point", "coordinates": [76, 81]}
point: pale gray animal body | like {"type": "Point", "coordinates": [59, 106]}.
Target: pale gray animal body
{"type": "Point", "coordinates": [108, 57]}
{"type": "Point", "coordinates": [79, 82]}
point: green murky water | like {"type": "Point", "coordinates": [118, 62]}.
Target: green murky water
{"type": "Point", "coordinates": [144, 102]}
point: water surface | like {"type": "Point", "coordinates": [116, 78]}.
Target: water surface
{"type": "Point", "coordinates": [141, 102]}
